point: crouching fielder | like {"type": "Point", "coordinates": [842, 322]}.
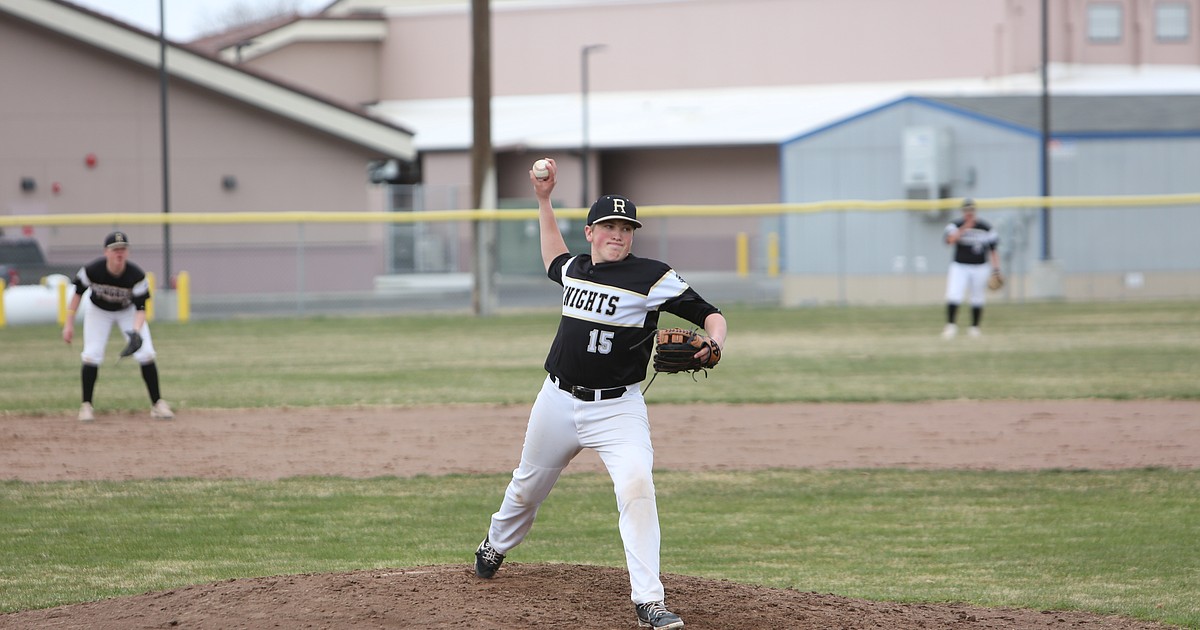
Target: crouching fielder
{"type": "Point", "coordinates": [117, 291]}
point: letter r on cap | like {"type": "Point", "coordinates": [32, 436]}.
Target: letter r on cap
{"type": "Point", "coordinates": [619, 205]}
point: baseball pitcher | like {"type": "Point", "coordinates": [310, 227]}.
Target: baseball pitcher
{"type": "Point", "coordinates": [592, 397]}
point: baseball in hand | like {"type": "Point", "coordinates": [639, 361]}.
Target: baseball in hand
{"type": "Point", "coordinates": [541, 169]}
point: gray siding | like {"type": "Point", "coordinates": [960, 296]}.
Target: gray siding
{"type": "Point", "coordinates": [1127, 166]}
{"type": "Point", "coordinates": [862, 158]}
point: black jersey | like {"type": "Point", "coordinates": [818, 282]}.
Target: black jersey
{"type": "Point", "coordinates": [609, 315]}
{"type": "Point", "coordinates": [113, 293]}
{"type": "Point", "coordinates": [974, 244]}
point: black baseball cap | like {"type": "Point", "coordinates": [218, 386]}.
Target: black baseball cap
{"type": "Point", "coordinates": [116, 240]}
{"type": "Point", "coordinates": [613, 207]}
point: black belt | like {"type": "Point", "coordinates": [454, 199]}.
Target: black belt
{"type": "Point", "coordinates": [587, 393]}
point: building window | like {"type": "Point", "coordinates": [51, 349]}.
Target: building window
{"type": "Point", "coordinates": [1171, 22]}
{"type": "Point", "coordinates": [1104, 22]}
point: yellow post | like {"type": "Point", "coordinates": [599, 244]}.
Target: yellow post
{"type": "Point", "coordinates": [62, 302]}
{"type": "Point", "coordinates": [743, 254]}
{"type": "Point", "coordinates": [773, 255]}
{"type": "Point", "coordinates": [2, 320]}
{"type": "Point", "coordinates": [150, 300]}
{"type": "Point", "coordinates": [183, 294]}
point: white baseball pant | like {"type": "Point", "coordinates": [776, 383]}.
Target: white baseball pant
{"type": "Point", "coordinates": [967, 278]}
{"type": "Point", "coordinates": [560, 426]}
{"type": "Point", "coordinates": [98, 324]}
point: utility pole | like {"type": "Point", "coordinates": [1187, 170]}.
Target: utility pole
{"type": "Point", "coordinates": [483, 167]}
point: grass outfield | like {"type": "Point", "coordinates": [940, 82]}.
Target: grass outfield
{"type": "Point", "coordinates": [1032, 351]}
{"type": "Point", "coordinates": [1120, 542]}
{"type": "Point", "coordinates": [1115, 542]}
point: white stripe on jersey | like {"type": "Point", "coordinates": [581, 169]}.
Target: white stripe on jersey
{"type": "Point", "coordinates": [606, 304]}
{"type": "Point", "coordinates": [667, 287]}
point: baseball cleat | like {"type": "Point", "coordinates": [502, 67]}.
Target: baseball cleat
{"type": "Point", "coordinates": [85, 413]}
{"type": "Point", "coordinates": [949, 331]}
{"type": "Point", "coordinates": [656, 615]}
{"type": "Point", "coordinates": [161, 411]}
{"type": "Point", "coordinates": [974, 332]}
{"type": "Point", "coordinates": [487, 559]}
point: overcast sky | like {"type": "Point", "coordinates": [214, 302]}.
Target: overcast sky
{"type": "Point", "coordinates": [186, 19]}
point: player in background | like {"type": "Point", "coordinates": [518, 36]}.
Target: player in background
{"type": "Point", "coordinates": [592, 396]}
{"type": "Point", "coordinates": [975, 259]}
{"type": "Point", "coordinates": [117, 297]}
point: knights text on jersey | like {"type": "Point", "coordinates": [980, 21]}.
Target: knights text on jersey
{"type": "Point", "coordinates": [113, 293]}
{"type": "Point", "coordinates": [972, 247]}
{"type": "Point", "coordinates": [609, 315]}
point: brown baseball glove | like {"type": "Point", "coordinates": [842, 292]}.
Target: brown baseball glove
{"type": "Point", "coordinates": [996, 280]}
{"type": "Point", "coordinates": [675, 351]}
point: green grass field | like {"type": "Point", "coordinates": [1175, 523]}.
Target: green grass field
{"type": "Point", "coordinates": [1121, 542]}
{"type": "Point", "coordinates": [1038, 351]}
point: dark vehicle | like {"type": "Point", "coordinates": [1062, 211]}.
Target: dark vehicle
{"type": "Point", "coordinates": [22, 261]}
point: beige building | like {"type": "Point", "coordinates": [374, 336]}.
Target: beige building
{"type": "Point", "coordinates": [81, 134]}
{"type": "Point", "coordinates": [689, 101]}
{"type": "Point", "coordinates": [684, 102]}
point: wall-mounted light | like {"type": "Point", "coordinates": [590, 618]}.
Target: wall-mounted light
{"type": "Point", "coordinates": [28, 184]}
{"type": "Point", "coordinates": [229, 182]}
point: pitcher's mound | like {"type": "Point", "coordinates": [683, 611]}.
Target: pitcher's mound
{"type": "Point", "coordinates": [522, 596]}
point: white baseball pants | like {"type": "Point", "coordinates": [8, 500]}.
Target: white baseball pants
{"type": "Point", "coordinates": [967, 278]}
{"type": "Point", "coordinates": [560, 426]}
{"type": "Point", "coordinates": [98, 324]}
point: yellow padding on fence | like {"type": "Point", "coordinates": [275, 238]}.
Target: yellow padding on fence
{"type": "Point", "coordinates": [766, 209]}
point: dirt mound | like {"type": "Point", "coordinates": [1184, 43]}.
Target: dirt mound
{"type": "Point", "coordinates": [521, 596]}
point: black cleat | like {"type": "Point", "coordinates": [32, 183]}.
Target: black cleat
{"type": "Point", "coordinates": [656, 615]}
{"type": "Point", "coordinates": [488, 560]}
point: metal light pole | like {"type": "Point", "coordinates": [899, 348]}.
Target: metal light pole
{"type": "Point", "coordinates": [166, 155]}
{"type": "Point", "coordinates": [1045, 215]}
{"type": "Point", "coordinates": [584, 150]}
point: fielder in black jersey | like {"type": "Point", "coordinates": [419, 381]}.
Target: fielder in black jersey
{"type": "Point", "coordinates": [117, 292]}
{"type": "Point", "coordinates": [975, 259]}
{"type": "Point", "coordinates": [592, 396]}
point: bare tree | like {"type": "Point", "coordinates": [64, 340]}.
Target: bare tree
{"type": "Point", "coordinates": [247, 12]}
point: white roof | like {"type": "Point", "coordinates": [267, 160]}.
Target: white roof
{"type": "Point", "coordinates": [734, 116]}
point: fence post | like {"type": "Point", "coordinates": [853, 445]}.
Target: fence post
{"type": "Point", "coordinates": [61, 289]}
{"type": "Point", "coordinates": [300, 268]}
{"type": "Point", "coordinates": [743, 254]}
{"type": "Point", "coordinates": [150, 299]}
{"type": "Point", "coordinates": [183, 287]}
{"type": "Point", "coordinates": [773, 255]}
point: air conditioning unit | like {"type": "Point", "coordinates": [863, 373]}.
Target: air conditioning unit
{"type": "Point", "coordinates": [927, 165]}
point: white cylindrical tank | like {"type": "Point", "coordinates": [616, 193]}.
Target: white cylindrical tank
{"type": "Point", "coordinates": [35, 303]}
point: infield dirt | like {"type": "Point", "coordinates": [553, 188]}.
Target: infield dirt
{"type": "Point", "coordinates": [371, 442]}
